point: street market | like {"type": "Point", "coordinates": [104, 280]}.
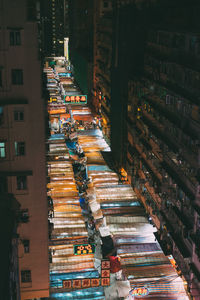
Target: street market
{"type": "Point", "coordinates": [102, 245]}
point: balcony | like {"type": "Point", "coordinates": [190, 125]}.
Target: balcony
{"type": "Point", "coordinates": [176, 237]}
{"type": "Point", "coordinates": [106, 115]}
{"type": "Point", "coordinates": [153, 172]}
{"type": "Point", "coordinates": [174, 55]}
{"type": "Point", "coordinates": [195, 271]}
{"type": "Point", "coordinates": [166, 245]}
{"type": "Point", "coordinates": [197, 208]}
{"type": "Point", "coordinates": [150, 168]}
{"type": "Point", "coordinates": [154, 196]}
{"type": "Point", "coordinates": [105, 42]}
{"type": "Point", "coordinates": [105, 107]}
{"type": "Point", "coordinates": [158, 104]}
{"type": "Point", "coordinates": [196, 239]}
{"type": "Point", "coordinates": [159, 131]}
{"type": "Point", "coordinates": [184, 220]}
{"type": "Point", "coordinates": [183, 180]}
{"type": "Point", "coordinates": [176, 177]}
{"type": "Point", "coordinates": [166, 81]}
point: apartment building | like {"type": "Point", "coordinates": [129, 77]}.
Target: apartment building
{"type": "Point", "coordinates": [59, 11]}
{"type": "Point", "coordinates": [102, 64]}
{"type": "Point", "coordinates": [22, 140]}
{"type": "Point", "coordinates": [163, 150]}
{"type": "Point", "coordinates": [146, 87]}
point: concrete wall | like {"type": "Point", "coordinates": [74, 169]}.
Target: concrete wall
{"type": "Point", "coordinates": [31, 131]}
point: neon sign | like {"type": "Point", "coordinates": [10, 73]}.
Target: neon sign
{"type": "Point", "coordinates": [84, 249]}
{"type": "Point", "coordinates": [65, 74]}
{"type": "Point", "coordinates": [82, 99]}
{"type": "Point", "coordinates": [139, 292]}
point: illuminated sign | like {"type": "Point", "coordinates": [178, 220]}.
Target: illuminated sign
{"type": "Point", "coordinates": [52, 100]}
{"type": "Point", "coordinates": [95, 282]}
{"type": "Point", "coordinates": [65, 74]}
{"type": "Point", "coordinates": [105, 281]}
{"type": "Point", "coordinates": [84, 249]}
{"type": "Point", "coordinates": [105, 264]}
{"type": "Point", "coordinates": [139, 292]}
{"type": "Point", "coordinates": [105, 273]}
{"type": "Point", "coordinates": [67, 284]}
{"type": "Point", "coordinates": [76, 283]}
{"type": "Point", "coordinates": [85, 283]}
{"type": "Point", "coordinates": [79, 99]}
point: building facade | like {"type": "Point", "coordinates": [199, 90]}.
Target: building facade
{"type": "Point", "coordinates": [81, 27]}
{"type": "Point", "coordinates": [164, 133]}
{"type": "Point", "coordinates": [22, 140]}
{"type": "Point", "coordinates": [102, 63]}
{"type": "Point", "coordinates": [60, 25]}
{"type": "Point", "coordinates": [147, 64]}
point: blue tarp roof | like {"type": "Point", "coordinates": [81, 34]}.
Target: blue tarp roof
{"type": "Point", "coordinates": [99, 168]}
{"type": "Point", "coordinates": [57, 136]}
{"type": "Point", "coordinates": [85, 294]}
{"type": "Point", "coordinates": [71, 145]}
{"type": "Point", "coordinates": [57, 278]}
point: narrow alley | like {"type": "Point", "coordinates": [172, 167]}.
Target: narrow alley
{"type": "Point", "coordinates": [101, 244]}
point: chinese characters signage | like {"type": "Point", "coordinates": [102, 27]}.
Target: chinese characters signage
{"type": "Point", "coordinates": [105, 264]}
{"type": "Point", "coordinates": [84, 249]}
{"type": "Point", "coordinates": [85, 283]}
{"type": "Point", "coordinates": [79, 99]}
{"type": "Point", "coordinates": [105, 272]}
{"type": "Point", "coordinates": [67, 284]}
{"type": "Point", "coordinates": [139, 292]}
{"type": "Point", "coordinates": [105, 281]}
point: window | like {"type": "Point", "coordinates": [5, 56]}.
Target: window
{"type": "Point", "coordinates": [15, 38]}
{"type": "Point", "coordinates": [21, 182]}
{"type": "Point", "coordinates": [31, 10]}
{"type": "Point", "coordinates": [26, 244]}
{"type": "Point", "coordinates": [1, 115]}
{"type": "Point", "coordinates": [105, 4]}
{"type": "Point", "coordinates": [2, 149]}
{"type": "Point", "coordinates": [1, 82]}
{"type": "Point", "coordinates": [24, 216]}
{"type": "Point", "coordinates": [17, 76]}
{"type": "Point", "coordinates": [3, 184]}
{"type": "Point", "coordinates": [19, 115]}
{"type": "Point", "coordinates": [19, 148]}
{"type": "Point", "coordinates": [26, 276]}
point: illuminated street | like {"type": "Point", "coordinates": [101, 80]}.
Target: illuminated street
{"type": "Point", "coordinates": [100, 149]}
{"type": "Point", "coordinates": [89, 205]}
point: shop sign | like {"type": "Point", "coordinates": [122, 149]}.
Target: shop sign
{"type": "Point", "coordinates": [95, 282]}
{"type": "Point", "coordinates": [79, 99]}
{"type": "Point", "coordinates": [76, 283]}
{"type": "Point", "coordinates": [139, 292]}
{"type": "Point", "coordinates": [105, 273]}
{"type": "Point", "coordinates": [65, 74]}
{"type": "Point", "coordinates": [84, 249]}
{"type": "Point", "coordinates": [85, 283]}
{"type": "Point", "coordinates": [105, 268]}
{"type": "Point", "coordinates": [67, 284]}
{"type": "Point", "coordinates": [105, 264]}
{"type": "Point", "coordinates": [105, 281]}
{"type": "Point", "coordinates": [52, 100]}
